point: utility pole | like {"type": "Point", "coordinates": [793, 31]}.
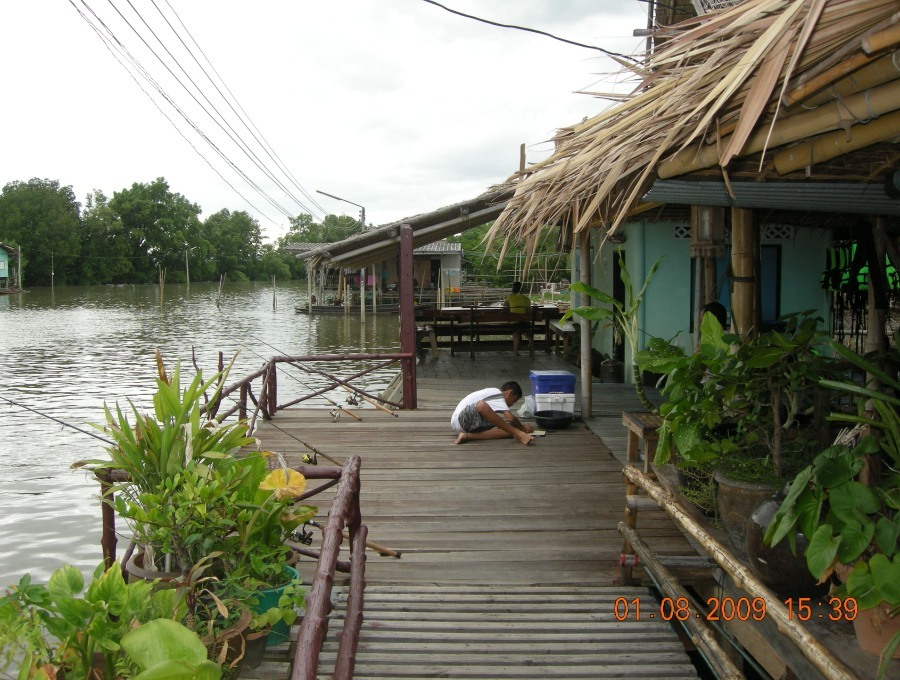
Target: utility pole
{"type": "Point", "coordinates": [362, 271]}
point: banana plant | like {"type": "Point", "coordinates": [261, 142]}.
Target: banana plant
{"type": "Point", "coordinates": [622, 316]}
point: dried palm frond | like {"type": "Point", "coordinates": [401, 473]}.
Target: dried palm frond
{"type": "Point", "coordinates": [721, 82]}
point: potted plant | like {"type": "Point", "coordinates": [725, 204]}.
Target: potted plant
{"type": "Point", "coordinates": [63, 628]}
{"type": "Point", "coordinates": [852, 524]}
{"type": "Point", "coordinates": [749, 411]}
{"type": "Point", "coordinates": [173, 458]}
{"type": "Point", "coordinates": [210, 520]}
{"type": "Point", "coordinates": [259, 559]}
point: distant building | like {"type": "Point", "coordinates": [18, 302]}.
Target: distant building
{"type": "Point", "coordinates": [7, 273]}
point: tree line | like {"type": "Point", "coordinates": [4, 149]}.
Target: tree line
{"type": "Point", "coordinates": [147, 228]}
{"type": "Point", "coordinates": [142, 230]}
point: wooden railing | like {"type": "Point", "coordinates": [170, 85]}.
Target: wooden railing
{"type": "Point", "coordinates": [256, 394]}
{"type": "Point", "coordinates": [818, 657]}
{"type": "Point", "coordinates": [345, 512]}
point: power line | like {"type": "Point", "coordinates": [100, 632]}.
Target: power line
{"type": "Point", "coordinates": [530, 30]}
{"type": "Point", "coordinates": [244, 117]}
{"type": "Point", "coordinates": [107, 42]}
{"type": "Point", "coordinates": [271, 200]}
{"type": "Point", "coordinates": [115, 45]}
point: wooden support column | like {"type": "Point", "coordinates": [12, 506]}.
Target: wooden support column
{"type": "Point", "coordinates": [407, 316]}
{"type": "Point", "coordinates": [707, 243]}
{"type": "Point", "coordinates": [586, 372]}
{"type": "Point", "coordinates": [746, 269]}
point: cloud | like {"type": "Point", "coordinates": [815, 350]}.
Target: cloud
{"type": "Point", "coordinates": [394, 104]}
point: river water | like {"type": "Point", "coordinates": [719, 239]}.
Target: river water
{"type": "Point", "coordinates": [66, 351]}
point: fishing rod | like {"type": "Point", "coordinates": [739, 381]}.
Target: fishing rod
{"type": "Point", "coordinates": [337, 381]}
{"type": "Point", "coordinates": [322, 394]}
{"type": "Point", "coordinates": [316, 452]}
{"type": "Point", "coordinates": [57, 420]}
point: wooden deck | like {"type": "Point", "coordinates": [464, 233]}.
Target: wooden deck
{"type": "Point", "coordinates": [509, 553]}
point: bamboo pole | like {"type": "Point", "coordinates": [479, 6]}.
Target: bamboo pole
{"type": "Point", "coordinates": [832, 116]}
{"type": "Point", "coordinates": [841, 82]}
{"type": "Point", "coordinates": [820, 657]}
{"type": "Point", "coordinates": [889, 37]}
{"type": "Point", "coordinates": [742, 225]}
{"type": "Point", "coordinates": [831, 145]}
{"type": "Point", "coordinates": [380, 549]}
{"type": "Point", "coordinates": [701, 635]}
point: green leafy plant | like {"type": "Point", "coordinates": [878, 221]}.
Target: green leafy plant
{"type": "Point", "coordinates": [747, 408]}
{"type": "Point", "coordinates": [61, 626]}
{"type": "Point", "coordinates": [853, 528]}
{"type": "Point", "coordinates": [158, 446]}
{"type": "Point", "coordinates": [622, 316]}
{"type": "Point", "coordinates": [166, 650]}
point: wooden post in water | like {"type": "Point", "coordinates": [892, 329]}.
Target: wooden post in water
{"type": "Point", "coordinates": [407, 316]}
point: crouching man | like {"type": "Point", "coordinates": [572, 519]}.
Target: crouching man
{"type": "Point", "coordinates": [485, 414]}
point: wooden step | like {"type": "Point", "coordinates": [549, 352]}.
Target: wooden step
{"type": "Point", "coordinates": [514, 632]}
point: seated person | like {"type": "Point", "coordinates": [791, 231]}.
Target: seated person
{"type": "Point", "coordinates": [517, 303]}
{"type": "Point", "coordinates": [485, 414]}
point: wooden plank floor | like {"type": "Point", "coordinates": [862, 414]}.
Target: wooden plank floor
{"type": "Point", "coordinates": [487, 515]}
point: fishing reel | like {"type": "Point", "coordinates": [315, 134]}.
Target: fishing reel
{"type": "Point", "coordinates": [302, 536]}
{"type": "Point", "coordinates": [310, 459]}
{"type": "Point", "coordinates": [352, 400]}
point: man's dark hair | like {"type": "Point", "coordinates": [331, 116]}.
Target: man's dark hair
{"type": "Point", "coordinates": [517, 286]}
{"type": "Point", "coordinates": [717, 309]}
{"type": "Point", "coordinates": [513, 387]}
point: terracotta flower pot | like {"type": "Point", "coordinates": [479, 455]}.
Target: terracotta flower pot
{"type": "Point", "coordinates": [874, 628]}
{"type": "Point", "coordinates": [137, 572]}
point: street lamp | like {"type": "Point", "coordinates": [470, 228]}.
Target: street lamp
{"type": "Point", "coordinates": [362, 271]}
{"type": "Point", "coordinates": [362, 210]}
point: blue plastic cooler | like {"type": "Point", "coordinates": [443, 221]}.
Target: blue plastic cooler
{"type": "Point", "coordinates": [551, 382]}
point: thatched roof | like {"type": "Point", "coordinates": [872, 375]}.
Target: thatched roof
{"type": "Point", "coordinates": [805, 90]}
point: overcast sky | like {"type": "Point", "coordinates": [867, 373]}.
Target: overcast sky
{"type": "Point", "coordinates": [397, 105]}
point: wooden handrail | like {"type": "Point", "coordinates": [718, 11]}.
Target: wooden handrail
{"type": "Point", "coordinates": [816, 653]}
{"type": "Point", "coordinates": [344, 512]}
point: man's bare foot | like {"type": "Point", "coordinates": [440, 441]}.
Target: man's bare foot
{"type": "Point", "coordinates": [462, 438]}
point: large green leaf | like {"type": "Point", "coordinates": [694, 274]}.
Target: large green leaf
{"type": "Point", "coordinates": [834, 471]}
{"type": "Point", "coordinates": [66, 581]}
{"type": "Point", "coordinates": [110, 590]}
{"type": "Point", "coordinates": [851, 499]}
{"type": "Point", "coordinates": [163, 648]}
{"type": "Point", "coordinates": [855, 538]}
{"type": "Point", "coordinates": [861, 586]}
{"type": "Point", "coordinates": [886, 576]}
{"type": "Point", "coordinates": [764, 357]}
{"type": "Point", "coordinates": [886, 534]}
{"type": "Point", "coordinates": [822, 550]}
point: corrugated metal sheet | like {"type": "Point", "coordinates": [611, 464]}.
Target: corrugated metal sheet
{"type": "Point", "coordinates": [822, 197]}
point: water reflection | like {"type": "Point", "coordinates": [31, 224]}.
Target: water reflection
{"type": "Point", "coordinates": [65, 352]}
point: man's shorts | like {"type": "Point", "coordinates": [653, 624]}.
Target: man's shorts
{"type": "Point", "coordinates": [470, 420]}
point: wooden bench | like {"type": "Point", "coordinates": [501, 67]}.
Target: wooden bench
{"type": "Point", "coordinates": [559, 334]}
{"type": "Point", "coordinates": [642, 427]}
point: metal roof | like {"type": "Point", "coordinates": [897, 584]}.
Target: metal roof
{"type": "Point", "coordinates": [439, 247]}
{"type": "Point", "coordinates": [820, 197]}
{"type": "Point", "coordinates": [383, 242]}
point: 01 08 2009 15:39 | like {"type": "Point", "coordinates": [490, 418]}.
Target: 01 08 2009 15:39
{"type": "Point", "coordinates": [730, 609]}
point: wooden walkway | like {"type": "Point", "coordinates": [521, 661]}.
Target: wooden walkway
{"type": "Point", "coordinates": [509, 553]}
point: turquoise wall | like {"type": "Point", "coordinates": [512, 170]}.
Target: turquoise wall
{"type": "Point", "coordinates": [666, 311]}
